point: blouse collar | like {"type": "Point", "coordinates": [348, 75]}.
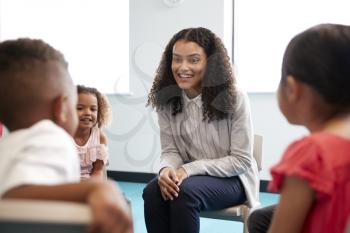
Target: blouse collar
{"type": "Point", "coordinates": [196, 100]}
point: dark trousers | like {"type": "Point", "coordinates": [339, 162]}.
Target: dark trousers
{"type": "Point", "coordinates": [260, 220]}
{"type": "Point", "coordinates": [197, 193]}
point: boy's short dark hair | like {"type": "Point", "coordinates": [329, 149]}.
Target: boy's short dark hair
{"type": "Point", "coordinates": [21, 61]}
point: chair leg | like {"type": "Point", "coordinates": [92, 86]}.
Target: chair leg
{"type": "Point", "coordinates": [245, 215]}
{"type": "Point", "coordinates": [245, 228]}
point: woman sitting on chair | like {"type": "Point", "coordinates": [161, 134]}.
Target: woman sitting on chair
{"type": "Point", "coordinates": [206, 135]}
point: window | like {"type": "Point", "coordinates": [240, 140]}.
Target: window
{"type": "Point", "coordinates": [228, 26]}
{"type": "Point", "coordinates": [92, 34]}
{"type": "Point", "coordinates": [262, 30]}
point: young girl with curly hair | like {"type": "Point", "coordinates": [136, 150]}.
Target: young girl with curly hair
{"type": "Point", "coordinates": [206, 135]}
{"type": "Point", "coordinates": [93, 112]}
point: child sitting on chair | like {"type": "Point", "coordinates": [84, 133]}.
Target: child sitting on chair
{"type": "Point", "coordinates": [38, 159]}
{"type": "Point", "coordinates": [93, 113]}
{"type": "Point", "coordinates": [313, 174]}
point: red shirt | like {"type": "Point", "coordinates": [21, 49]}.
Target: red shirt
{"type": "Point", "coordinates": [323, 160]}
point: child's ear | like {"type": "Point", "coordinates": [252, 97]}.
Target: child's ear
{"type": "Point", "coordinates": [293, 88]}
{"type": "Point", "coordinates": [60, 110]}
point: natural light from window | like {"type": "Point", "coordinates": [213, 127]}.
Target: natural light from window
{"type": "Point", "coordinates": [92, 34]}
{"type": "Point", "coordinates": [264, 28]}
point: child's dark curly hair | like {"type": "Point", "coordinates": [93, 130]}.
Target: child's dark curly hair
{"type": "Point", "coordinates": [104, 109]}
{"type": "Point", "coordinates": [218, 84]}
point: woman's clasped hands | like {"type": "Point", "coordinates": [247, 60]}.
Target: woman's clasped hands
{"type": "Point", "coordinates": [169, 182]}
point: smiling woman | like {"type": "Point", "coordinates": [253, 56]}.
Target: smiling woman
{"type": "Point", "coordinates": [205, 133]}
{"type": "Point", "coordinates": [188, 66]}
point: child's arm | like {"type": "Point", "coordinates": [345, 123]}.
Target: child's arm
{"type": "Point", "coordinates": [98, 165]}
{"type": "Point", "coordinates": [110, 211]}
{"type": "Point", "coordinates": [103, 138]}
{"type": "Point", "coordinates": [296, 200]}
{"type": "Point", "coordinates": [98, 169]}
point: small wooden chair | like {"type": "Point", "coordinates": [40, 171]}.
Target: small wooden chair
{"type": "Point", "coordinates": [238, 213]}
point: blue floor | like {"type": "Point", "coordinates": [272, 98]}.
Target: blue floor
{"type": "Point", "coordinates": [134, 192]}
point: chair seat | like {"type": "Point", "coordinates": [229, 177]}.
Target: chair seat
{"type": "Point", "coordinates": [234, 213]}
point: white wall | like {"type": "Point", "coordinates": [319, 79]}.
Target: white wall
{"type": "Point", "coordinates": [133, 136]}
{"type": "Point", "coordinates": [276, 131]}
{"type": "Point", "coordinates": [86, 33]}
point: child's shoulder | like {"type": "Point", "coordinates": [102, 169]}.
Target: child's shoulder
{"type": "Point", "coordinates": [42, 132]}
{"type": "Point", "coordinates": [319, 146]}
{"type": "Point", "coordinates": [47, 130]}
{"type": "Point", "coordinates": [321, 139]}
{"type": "Point", "coordinates": [43, 141]}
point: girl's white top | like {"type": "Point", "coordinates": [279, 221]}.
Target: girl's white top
{"type": "Point", "coordinates": [90, 152]}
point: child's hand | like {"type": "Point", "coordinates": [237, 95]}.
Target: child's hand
{"type": "Point", "coordinates": [111, 213]}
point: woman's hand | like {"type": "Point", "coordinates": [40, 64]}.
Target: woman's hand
{"type": "Point", "coordinates": [181, 175]}
{"type": "Point", "coordinates": [167, 182]}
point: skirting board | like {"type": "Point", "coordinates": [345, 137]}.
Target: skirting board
{"type": "Point", "coordinates": [142, 177]}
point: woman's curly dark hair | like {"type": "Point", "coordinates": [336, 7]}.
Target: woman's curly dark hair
{"type": "Point", "coordinates": [218, 84]}
{"type": "Point", "coordinates": [104, 109]}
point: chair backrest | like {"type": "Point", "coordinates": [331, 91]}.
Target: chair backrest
{"type": "Point", "coordinates": [257, 150]}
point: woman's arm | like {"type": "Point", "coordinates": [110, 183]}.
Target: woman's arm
{"type": "Point", "coordinates": [98, 165]}
{"type": "Point", "coordinates": [170, 159]}
{"type": "Point", "coordinates": [170, 156]}
{"type": "Point", "coordinates": [295, 203]}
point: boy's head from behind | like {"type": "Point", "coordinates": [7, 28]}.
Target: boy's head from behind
{"type": "Point", "coordinates": [35, 85]}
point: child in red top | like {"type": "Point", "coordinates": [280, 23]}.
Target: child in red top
{"type": "Point", "coordinates": [313, 175]}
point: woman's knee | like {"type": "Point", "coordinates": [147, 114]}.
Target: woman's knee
{"type": "Point", "coordinates": [187, 188]}
{"type": "Point", "coordinates": [151, 190]}
{"type": "Point", "coordinates": [187, 194]}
